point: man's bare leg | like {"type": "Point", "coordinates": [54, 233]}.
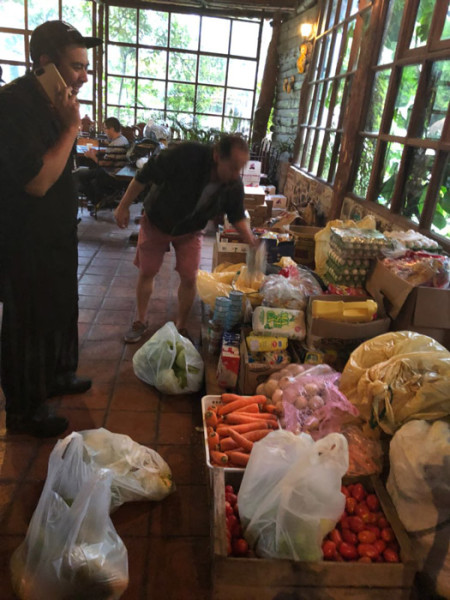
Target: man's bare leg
{"type": "Point", "coordinates": [144, 289]}
{"type": "Point", "coordinates": [186, 295]}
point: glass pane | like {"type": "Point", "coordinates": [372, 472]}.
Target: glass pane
{"type": "Point", "coordinates": [122, 23]}
{"type": "Point", "coordinates": [315, 104]}
{"type": "Point", "coordinates": [78, 12]}
{"type": "Point", "coordinates": [417, 181]}
{"type": "Point", "coordinates": [389, 173]}
{"type": "Point", "coordinates": [151, 93]}
{"type": "Point", "coordinates": [120, 90]}
{"type": "Point", "coordinates": [317, 150]}
{"type": "Point", "coordinates": [143, 115]}
{"type": "Point", "coordinates": [446, 30]}
{"type": "Point", "coordinates": [123, 113]}
{"type": "Point", "coordinates": [244, 38]}
{"type": "Point", "coordinates": [441, 219]}
{"type": "Point", "coordinates": [86, 92]}
{"type": "Point", "coordinates": [87, 109]}
{"type": "Point", "coordinates": [182, 66]}
{"type": "Point", "coordinates": [208, 122]}
{"type": "Point", "coordinates": [180, 96]}
{"type": "Point", "coordinates": [361, 183]}
{"type": "Point", "coordinates": [328, 154]}
{"type": "Point", "coordinates": [422, 23]}
{"type": "Point", "coordinates": [377, 101]}
{"type": "Point", "coordinates": [405, 99]}
{"type": "Point", "coordinates": [339, 108]}
{"type": "Point", "coordinates": [348, 47]}
{"type": "Point", "coordinates": [210, 99]}
{"type": "Point", "coordinates": [390, 35]}
{"type": "Point", "coordinates": [437, 96]}
{"type": "Point", "coordinates": [12, 14]}
{"type": "Point", "coordinates": [237, 126]}
{"type": "Point", "coordinates": [212, 69]}
{"type": "Point", "coordinates": [354, 7]}
{"type": "Point", "coordinates": [239, 103]}
{"type": "Point", "coordinates": [13, 46]}
{"type": "Point", "coordinates": [184, 31]}
{"type": "Point", "coordinates": [342, 11]}
{"type": "Point", "coordinates": [305, 151]}
{"type": "Point", "coordinates": [326, 106]}
{"type": "Point", "coordinates": [152, 63]}
{"type": "Point", "coordinates": [336, 51]}
{"type": "Point", "coordinates": [121, 60]}
{"type": "Point", "coordinates": [39, 11]}
{"type": "Point", "coordinates": [241, 73]}
{"type": "Point", "coordinates": [11, 72]}
{"type": "Point", "coordinates": [325, 50]}
{"type": "Point", "coordinates": [215, 35]}
{"type": "Point", "coordinates": [332, 13]}
{"type": "Point", "coordinates": [153, 27]}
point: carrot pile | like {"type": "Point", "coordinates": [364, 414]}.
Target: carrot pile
{"type": "Point", "coordinates": [235, 425]}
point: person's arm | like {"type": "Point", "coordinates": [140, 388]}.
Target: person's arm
{"type": "Point", "coordinates": [55, 159]}
{"type": "Point", "coordinates": [243, 228]}
{"type": "Point", "coordinates": [122, 212]}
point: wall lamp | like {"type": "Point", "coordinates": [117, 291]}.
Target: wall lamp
{"type": "Point", "coordinates": [306, 33]}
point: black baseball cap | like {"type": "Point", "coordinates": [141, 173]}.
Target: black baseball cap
{"type": "Point", "coordinates": [56, 35]}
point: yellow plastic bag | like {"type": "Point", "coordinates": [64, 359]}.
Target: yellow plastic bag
{"type": "Point", "coordinates": [396, 377]}
{"type": "Point", "coordinates": [227, 277]}
{"type": "Point", "coordinates": [322, 238]}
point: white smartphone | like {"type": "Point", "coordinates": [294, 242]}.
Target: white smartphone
{"type": "Point", "coordinates": [50, 79]}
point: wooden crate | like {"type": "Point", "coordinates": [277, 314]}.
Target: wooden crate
{"type": "Point", "coordinates": [272, 579]}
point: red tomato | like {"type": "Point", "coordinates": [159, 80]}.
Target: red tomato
{"type": "Point", "coordinates": [232, 521]}
{"type": "Point", "coordinates": [240, 547]}
{"type": "Point", "coordinates": [375, 529]}
{"type": "Point", "coordinates": [390, 555]}
{"type": "Point", "coordinates": [335, 536]}
{"type": "Point", "coordinates": [380, 545]}
{"type": "Point", "coordinates": [345, 491]}
{"type": "Point", "coordinates": [228, 508]}
{"type": "Point", "coordinates": [350, 505]}
{"type": "Point", "coordinates": [356, 524]}
{"type": "Point", "coordinates": [349, 537]}
{"type": "Point", "coordinates": [372, 518]}
{"type": "Point", "coordinates": [367, 550]}
{"type": "Point", "coordinates": [329, 550]}
{"type": "Point", "coordinates": [344, 522]}
{"type": "Point", "coordinates": [236, 530]}
{"type": "Point", "coordinates": [372, 502]}
{"type": "Point", "coordinates": [364, 559]}
{"type": "Point", "coordinates": [362, 510]}
{"type": "Point", "coordinates": [231, 498]}
{"type": "Point", "coordinates": [387, 534]}
{"type": "Point", "coordinates": [358, 492]}
{"type": "Point", "coordinates": [229, 488]}
{"type": "Point", "coordinates": [382, 523]}
{"type": "Point", "coordinates": [366, 537]}
{"type": "Point", "coordinates": [348, 551]}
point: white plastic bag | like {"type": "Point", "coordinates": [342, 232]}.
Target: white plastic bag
{"type": "Point", "coordinates": [290, 496]}
{"type": "Point", "coordinates": [419, 485]}
{"type": "Point", "coordinates": [169, 362]}
{"type": "Point", "coordinates": [71, 550]}
{"type": "Point", "coordinates": [138, 472]}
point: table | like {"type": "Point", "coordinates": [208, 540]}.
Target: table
{"type": "Point", "coordinates": [126, 173]}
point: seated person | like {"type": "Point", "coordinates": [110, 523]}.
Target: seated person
{"type": "Point", "coordinates": [99, 180]}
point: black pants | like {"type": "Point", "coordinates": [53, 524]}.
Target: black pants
{"type": "Point", "coordinates": [32, 359]}
{"type": "Point", "coordinates": [95, 183]}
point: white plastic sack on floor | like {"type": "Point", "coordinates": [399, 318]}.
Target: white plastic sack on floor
{"type": "Point", "coordinates": [169, 362]}
{"type": "Point", "coordinates": [71, 549]}
{"type": "Point", "coordinates": [419, 485]}
{"type": "Point", "coordinates": [138, 472]}
{"type": "Point", "coordinates": [290, 496]}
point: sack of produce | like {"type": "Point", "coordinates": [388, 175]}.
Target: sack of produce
{"type": "Point", "coordinates": [170, 362]}
{"type": "Point", "coordinates": [419, 485]}
{"type": "Point", "coordinates": [71, 549]}
{"type": "Point", "coordinates": [290, 496]}
{"type": "Point", "coordinates": [396, 377]}
{"type": "Point", "coordinates": [138, 472]}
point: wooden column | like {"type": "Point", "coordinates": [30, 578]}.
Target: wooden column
{"type": "Point", "coordinates": [268, 85]}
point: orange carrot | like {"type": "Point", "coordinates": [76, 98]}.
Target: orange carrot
{"type": "Point", "coordinates": [243, 427]}
{"type": "Point", "coordinates": [250, 408]}
{"type": "Point", "coordinates": [256, 435]}
{"type": "Point", "coordinates": [256, 416]}
{"type": "Point", "coordinates": [224, 409]}
{"type": "Point", "coordinates": [213, 440]}
{"type": "Point", "coordinates": [238, 458]}
{"type": "Point", "coordinates": [227, 443]}
{"type": "Point", "coordinates": [229, 398]}
{"type": "Point", "coordinates": [236, 418]}
{"type": "Point", "coordinates": [271, 409]}
{"type": "Point", "coordinates": [220, 458]}
{"type": "Point", "coordinates": [242, 441]}
{"type": "Point", "coordinates": [211, 418]}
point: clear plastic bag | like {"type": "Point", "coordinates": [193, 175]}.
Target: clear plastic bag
{"type": "Point", "coordinates": [71, 549]}
{"type": "Point", "coordinates": [292, 292]}
{"type": "Point", "coordinates": [290, 496]}
{"type": "Point", "coordinates": [139, 473]}
{"type": "Point", "coordinates": [170, 362]}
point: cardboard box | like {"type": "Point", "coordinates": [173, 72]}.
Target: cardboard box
{"type": "Point", "coordinates": [259, 215]}
{"type": "Point", "coordinates": [251, 173]}
{"type": "Point", "coordinates": [304, 244]}
{"type": "Point", "coordinates": [275, 250]}
{"type": "Point", "coordinates": [279, 201]}
{"type": "Point", "coordinates": [230, 246]}
{"type": "Point", "coordinates": [232, 257]}
{"type": "Point", "coordinates": [337, 339]}
{"type": "Point", "coordinates": [254, 196]}
{"type": "Point", "coordinates": [422, 309]}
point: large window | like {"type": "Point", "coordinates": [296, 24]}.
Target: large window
{"type": "Point", "coordinates": [393, 125]}
{"type": "Point", "coordinates": [18, 18]}
{"type": "Point", "coordinates": [196, 71]}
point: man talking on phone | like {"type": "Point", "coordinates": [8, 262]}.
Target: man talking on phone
{"type": "Point", "coordinates": [38, 233]}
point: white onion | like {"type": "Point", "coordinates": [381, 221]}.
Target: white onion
{"type": "Point", "coordinates": [315, 402]}
{"type": "Point", "coordinates": [261, 389]}
{"type": "Point", "coordinates": [277, 396]}
{"type": "Point", "coordinates": [300, 402]}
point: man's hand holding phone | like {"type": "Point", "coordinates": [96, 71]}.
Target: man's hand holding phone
{"type": "Point", "coordinates": [60, 94]}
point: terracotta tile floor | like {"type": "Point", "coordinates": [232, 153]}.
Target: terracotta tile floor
{"type": "Point", "coordinates": [167, 541]}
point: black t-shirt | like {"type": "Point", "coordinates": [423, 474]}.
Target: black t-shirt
{"type": "Point", "coordinates": [179, 177]}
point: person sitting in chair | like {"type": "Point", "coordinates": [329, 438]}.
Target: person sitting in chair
{"type": "Point", "coordinates": [97, 181]}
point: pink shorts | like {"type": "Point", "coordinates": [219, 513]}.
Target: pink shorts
{"type": "Point", "coordinates": [153, 244]}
